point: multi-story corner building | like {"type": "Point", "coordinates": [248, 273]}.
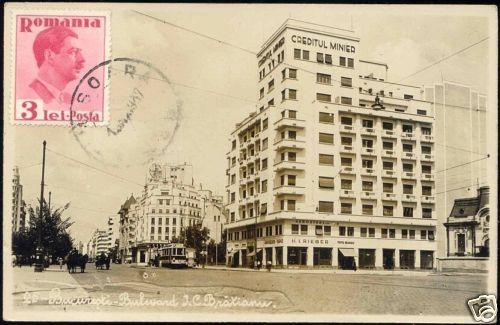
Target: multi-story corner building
{"type": "Point", "coordinates": [127, 229]}
{"type": "Point", "coordinates": [112, 232]}
{"type": "Point", "coordinates": [19, 221]}
{"type": "Point", "coordinates": [461, 156]}
{"type": "Point", "coordinates": [336, 166]}
{"type": "Point", "coordinates": [169, 203]}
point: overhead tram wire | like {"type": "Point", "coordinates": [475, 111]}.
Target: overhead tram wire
{"type": "Point", "coordinates": [460, 188]}
{"type": "Point", "coordinates": [94, 168]}
{"type": "Point", "coordinates": [460, 165]}
{"type": "Point", "coordinates": [461, 149]}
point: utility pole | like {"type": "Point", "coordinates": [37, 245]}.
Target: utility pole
{"type": "Point", "coordinates": [50, 195]}
{"type": "Point", "coordinates": [216, 228]}
{"type": "Point", "coordinates": [39, 253]}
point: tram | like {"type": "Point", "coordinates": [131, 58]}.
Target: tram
{"type": "Point", "coordinates": [173, 255]}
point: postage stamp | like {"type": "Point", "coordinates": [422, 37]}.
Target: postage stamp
{"type": "Point", "coordinates": [52, 49]}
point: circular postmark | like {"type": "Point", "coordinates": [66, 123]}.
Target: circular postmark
{"type": "Point", "coordinates": [143, 112]}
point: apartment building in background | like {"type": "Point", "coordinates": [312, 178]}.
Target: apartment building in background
{"type": "Point", "coordinates": [336, 166]}
{"type": "Point", "coordinates": [169, 203]}
{"type": "Point", "coordinates": [97, 244]}
{"type": "Point", "coordinates": [19, 215]}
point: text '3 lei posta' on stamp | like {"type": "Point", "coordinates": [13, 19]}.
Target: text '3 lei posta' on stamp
{"type": "Point", "coordinates": [57, 55]}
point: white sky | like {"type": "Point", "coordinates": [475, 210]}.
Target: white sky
{"type": "Point", "coordinates": [406, 40]}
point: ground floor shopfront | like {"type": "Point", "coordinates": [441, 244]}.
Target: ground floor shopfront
{"type": "Point", "coordinates": [288, 251]}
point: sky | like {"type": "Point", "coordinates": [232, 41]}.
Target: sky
{"type": "Point", "coordinates": [213, 86]}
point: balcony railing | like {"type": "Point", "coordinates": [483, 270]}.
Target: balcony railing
{"type": "Point", "coordinates": [346, 148]}
{"type": "Point", "coordinates": [346, 128]}
{"type": "Point", "coordinates": [287, 164]}
{"type": "Point", "coordinates": [290, 123]}
{"type": "Point", "coordinates": [409, 155]}
{"type": "Point", "coordinates": [367, 195]}
{"type": "Point", "coordinates": [428, 176]}
{"type": "Point", "coordinates": [409, 198]}
{"type": "Point", "coordinates": [346, 170]}
{"type": "Point", "coordinates": [368, 151]}
{"type": "Point", "coordinates": [427, 138]}
{"type": "Point", "coordinates": [427, 157]}
{"type": "Point", "coordinates": [428, 199]}
{"type": "Point", "coordinates": [289, 190]}
{"type": "Point", "coordinates": [388, 153]}
{"type": "Point", "coordinates": [389, 196]}
{"type": "Point", "coordinates": [290, 143]}
{"type": "Point", "coordinates": [388, 134]}
{"type": "Point", "coordinates": [366, 130]}
{"type": "Point", "coordinates": [367, 171]}
{"type": "Point", "coordinates": [347, 194]}
{"type": "Point", "coordinates": [408, 135]}
{"type": "Point", "coordinates": [389, 173]}
{"type": "Point", "coordinates": [408, 175]}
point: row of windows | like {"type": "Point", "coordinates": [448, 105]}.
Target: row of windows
{"type": "Point", "coordinates": [346, 184]}
{"type": "Point", "coordinates": [326, 159]}
{"type": "Point", "coordinates": [388, 210]}
{"type": "Point", "coordinates": [159, 230]}
{"type": "Point", "coordinates": [185, 203]}
{"type": "Point", "coordinates": [324, 230]}
{"type": "Point", "coordinates": [323, 58]}
{"type": "Point", "coordinates": [181, 211]}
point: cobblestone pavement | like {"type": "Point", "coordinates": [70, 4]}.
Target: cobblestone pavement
{"type": "Point", "coordinates": [123, 288]}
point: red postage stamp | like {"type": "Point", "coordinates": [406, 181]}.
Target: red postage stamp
{"type": "Point", "coordinates": [55, 52]}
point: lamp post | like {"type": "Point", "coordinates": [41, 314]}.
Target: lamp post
{"type": "Point", "coordinates": [39, 253]}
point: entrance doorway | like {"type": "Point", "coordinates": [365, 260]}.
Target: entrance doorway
{"type": "Point", "coordinates": [269, 256]}
{"type": "Point", "coordinates": [406, 259]}
{"type": "Point", "coordinates": [142, 256]}
{"type": "Point", "coordinates": [297, 255]}
{"type": "Point", "coordinates": [243, 258]}
{"type": "Point", "coordinates": [426, 260]}
{"type": "Point", "coordinates": [366, 258]}
{"type": "Point", "coordinates": [388, 258]}
{"type": "Point", "coordinates": [279, 255]}
{"type": "Point", "coordinates": [346, 259]}
{"type": "Point", "coordinates": [461, 244]}
{"type": "Point", "coordinates": [322, 256]}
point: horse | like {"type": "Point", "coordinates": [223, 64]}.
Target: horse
{"type": "Point", "coordinates": [74, 260]}
{"type": "Point", "coordinates": [102, 261]}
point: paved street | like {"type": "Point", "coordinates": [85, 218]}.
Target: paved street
{"type": "Point", "coordinates": [276, 292]}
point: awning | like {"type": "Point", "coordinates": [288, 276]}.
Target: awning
{"type": "Point", "coordinates": [232, 252]}
{"type": "Point", "coordinates": [347, 252]}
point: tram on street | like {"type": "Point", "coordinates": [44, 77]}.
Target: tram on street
{"type": "Point", "coordinates": [173, 255]}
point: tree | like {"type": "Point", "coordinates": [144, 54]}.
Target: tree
{"type": "Point", "coordinates": [56, 240]}
{"type": "Point", "coordinates": [195, 237]}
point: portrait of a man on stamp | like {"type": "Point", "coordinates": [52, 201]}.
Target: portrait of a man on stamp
{"type": "Point", "coordinates": [52, 54]}
{"type": "Point", "coordinates": [59, 59]}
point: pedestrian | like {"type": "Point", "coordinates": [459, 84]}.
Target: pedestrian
{"type": "Point", "coordinates": [60, 260]}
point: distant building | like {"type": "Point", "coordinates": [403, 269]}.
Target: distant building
{"type": "Point", "coordinates": [460, 147]}
{"type": "Point", "coordinates": [169, 203]}
{"type": "Point", "coordinates": [213, 217]}
{"type": "Point", "coordinates": [19, 216]}
{"type": "Point", "coordinates": [112, 233]}
{"type": "Point", "coordinates": [97, 243]}
{"type": "Point", "coordinates": [467, 234]}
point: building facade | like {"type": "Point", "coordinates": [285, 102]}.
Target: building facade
{"type": "Point", "coordinates": [169, 203]}
{"type": "Point", "coordinates": [213, 217]}
{"type": "Point", "coordinates": [19, 215]}
{"type": "Point", "coordinates": [336, 167]}
{"type": "Point", "coordinates": [97, 243]}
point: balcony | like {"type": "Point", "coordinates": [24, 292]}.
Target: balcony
{"type": "Point", "coordinates": [289, 190]}
{"type": "Point", "coordinates": [408, 136]}
{"type": "Point", "coordinates": [388, 134]}
{"type": "Point", "coordinates": [428, 199]}
{"type": "Point", "coordinates": [347, 194]}
{"type": "Point", "coordinates": [289, 123]}
{"type": "Point", "coordinates": [346, 148]}
{"type": "Point", "coordinates": [408, 175]}
{"type": "Point", "coordinates": [289, 144]}
{"type": "Point", "coordinates": [368, 151]}
{"type": "Point", "coordinates": [346, 170]}
{"type": "Point", "coordinates": [250, 178]}
{"type": "Point", "coordinates": [368, 131]}
{"type": "Point", "coordinates": [368, 171]}
{"type": "Point", "coordinates": [346, 128]}
{"type": "Point", "coordinates": [368, 195]}
{"type": "Point", "coordinates": [427, 176]}
{"type": "Point", "coordinates": [288, 165]}
{"type": "Point", "coordinates": [408, 198]}
{"type": "Point", "coordinates": [426, 138]}
{"type": "Point", "coordinates": [389, 196]}
{"type": "Point", "coordinates": [409, 155]}
{"type": "Point", "coordinates": [388, 173]}
{"type": "Point", "coordinates": [388, 153]}
{"type": "Point", "coordinates": [427, 157]}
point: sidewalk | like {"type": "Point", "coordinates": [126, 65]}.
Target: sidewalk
{"type": "Point", "coordinates": [43, 285]}
{"type": "Point", "coordinates": [327, 271]}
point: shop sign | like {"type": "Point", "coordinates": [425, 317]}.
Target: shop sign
{"type": "Point", "coordinates": [309, 241]}
{"type": "Point", "coordinates": [323, 44]}
{"type": "Point", "coordinates": [273, 241]}
{"type": "Point", "coordinates": [343, 242]}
